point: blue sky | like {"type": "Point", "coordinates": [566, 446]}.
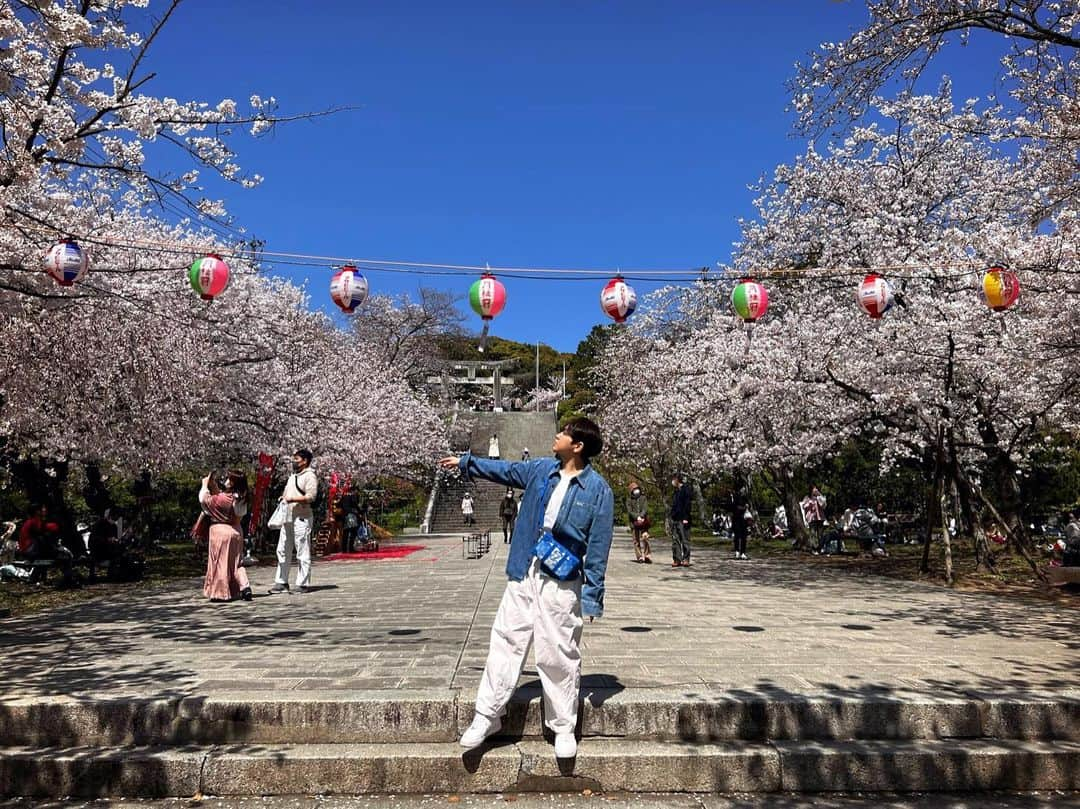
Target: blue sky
{"type": "Point", "coordinates": [553, 134]}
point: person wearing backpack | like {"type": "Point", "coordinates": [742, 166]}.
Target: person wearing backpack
{"type": "Point", "coordinates": [301, 490]}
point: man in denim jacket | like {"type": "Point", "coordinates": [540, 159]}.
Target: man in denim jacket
{"type": "Point", "coordinates": [566, 496]}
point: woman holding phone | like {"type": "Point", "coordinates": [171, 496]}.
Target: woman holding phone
{"type": "Point", "coordinates": [225, 578]}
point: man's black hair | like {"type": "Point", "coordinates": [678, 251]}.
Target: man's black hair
{"type": "Point", "coordinates": [679, 477]}
{"type": "Point", "coordinates": [586, 432]}
{"type": "Point", "coordinates": [305, 454]}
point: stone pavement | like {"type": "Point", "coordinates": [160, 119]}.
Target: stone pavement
{"type": "Point", "coordinates": [1058, 800]}
{"type": "Point", "coordinates": [771, 628]}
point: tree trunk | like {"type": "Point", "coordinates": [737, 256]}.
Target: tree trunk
{"type": "Point", "coordinates": [973, 522]}
{"type": "Point", "coordinates": [800, 536]}
{"type": "Point", "coordinates": [1019, 544]}
{"type": "Point", "coordinates": [946, 539]}
{"type": "Point", "coordinates": [933, 501]}
{"type": "Point", "coordinates": [699, 498]}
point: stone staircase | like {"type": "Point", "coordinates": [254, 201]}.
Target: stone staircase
{"type": "Point", "coordinates": [447, 519]}
{"type": "Point", "coordinates": [516, 431]}
{"type": "Point", "coordinates": [633, 740]}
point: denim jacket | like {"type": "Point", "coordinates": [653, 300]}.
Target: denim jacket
{"type": "Point", "coordinates": [585, 519]}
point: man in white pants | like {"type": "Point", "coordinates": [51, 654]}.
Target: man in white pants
{"type": "Point", "coordinates": [300, 492]}
{"type": "Point", "coordinates": [566, 498]}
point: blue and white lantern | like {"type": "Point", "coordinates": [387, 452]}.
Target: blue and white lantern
{"type": "Point", "coordinates": [348, 289]}
{"type": "Point", "coordinates": [67, 263]}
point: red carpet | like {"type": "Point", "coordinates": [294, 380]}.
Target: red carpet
{"type": "Point", "coordinates": [392, 552]}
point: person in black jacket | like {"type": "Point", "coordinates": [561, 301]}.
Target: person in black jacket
{"type": "Point", "coordinates": [508, 510]}
{"type": "Point", "coordinates": [680, 522]}
{"type": "Point", "coordinates": [740, 529]}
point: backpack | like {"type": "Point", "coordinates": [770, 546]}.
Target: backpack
{"type": "Point", "coordinates": [318, 504]}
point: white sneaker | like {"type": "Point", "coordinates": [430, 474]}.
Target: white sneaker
{"type": "Point", "coordinates": [743, 556]}
{"type": "Point", "coordinates": [565, 745]}
{"type": "Point", "coordinates": [481, 727]}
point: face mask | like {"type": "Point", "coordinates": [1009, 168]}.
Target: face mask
{"type": "Point", "coordinates": [295, 466]}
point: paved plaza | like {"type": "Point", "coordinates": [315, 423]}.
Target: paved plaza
{"type": "Point", "coordinates": [421, 623]}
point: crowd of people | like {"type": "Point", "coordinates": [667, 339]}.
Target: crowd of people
{"type": "Point", "coordinates": [104, 548]}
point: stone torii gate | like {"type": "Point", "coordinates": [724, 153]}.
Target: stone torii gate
{"type": "Point", "coordinates": [476, 372]}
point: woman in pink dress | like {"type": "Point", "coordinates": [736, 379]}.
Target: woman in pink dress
{"type": "Point", "coordinates": [225, 578]}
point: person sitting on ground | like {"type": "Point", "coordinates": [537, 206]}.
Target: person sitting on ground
{"type": "Point", "coordinates": [1070, 557]}
{"type": "Point", "coordinates": [779, 522]}
{"type": "Point", "coordinates": [39, 541]}
{"type": "Point", "coordinates": [105, 544]}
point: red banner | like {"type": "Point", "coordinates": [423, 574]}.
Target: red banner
{"type": "Point", "coordinates": [263, 479]}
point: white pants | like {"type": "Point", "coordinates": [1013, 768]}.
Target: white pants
{"type": "Point", "coordinates": [295, 531]}
{"type": "Point", "coordinates": [546, 611]}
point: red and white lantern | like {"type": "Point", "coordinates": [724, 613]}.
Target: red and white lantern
{"type": "Point", "coordinates": [875, 296]}
{"type": "Point", "coordinates": [618, 299]}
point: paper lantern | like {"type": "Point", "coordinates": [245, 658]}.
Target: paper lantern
{"type": "Point", "coordinates": [1000, 288]}
{"type": "Point", "coordinates": [749, 299]}
{"type": "Point", "coordinates": [875, 296]}
{"type": "Point", "coordinates": [348, 289]}
{"type": "Point", "coordinates": [67, 263]}
{"type": "Point", "coordinates": [209, 276]}
{"type": "Point", "coordinates": [487, 297]}
{"type": "Point", "coordinates": [618, 299]}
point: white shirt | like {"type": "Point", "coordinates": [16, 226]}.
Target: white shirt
{"type": "Point", "coordinates": [551, 513]}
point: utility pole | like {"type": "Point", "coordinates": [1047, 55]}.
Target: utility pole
{"type": "Point", "coordinates": [537, 376]}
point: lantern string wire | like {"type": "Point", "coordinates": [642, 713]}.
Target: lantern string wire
{"type": "Point", "coordinates": [927, 270]}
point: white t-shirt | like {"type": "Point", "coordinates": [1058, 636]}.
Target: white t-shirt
{"type": "Point", "coordinates": [551, 513]}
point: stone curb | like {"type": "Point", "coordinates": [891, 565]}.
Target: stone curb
{"type": "Point", "coordinates": [439, 715]}
{"type": "Point", "coordinates": [601, 765]}
{"type": "Point", "coordinates": [905, 766]}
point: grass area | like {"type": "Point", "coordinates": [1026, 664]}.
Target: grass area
{"type": "Point", "coordinates": [169, 564]}
{"type": "Point", "coordinates": [1014, 577]}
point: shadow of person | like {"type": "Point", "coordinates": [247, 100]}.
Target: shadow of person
{"type": "Point", "coordinates": [471, 759]}
{"type": "Point", "coordinates": [597, 689]}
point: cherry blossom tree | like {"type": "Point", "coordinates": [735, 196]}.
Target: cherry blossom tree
{"type": "Point", "coordinates": [405, 332]}
{"type": "Point", "coordinates": [935, 381]}
{"type": "Point", "coordinates": [1033, 101]}
{"type": "Point", "coordinates": [129, 368]}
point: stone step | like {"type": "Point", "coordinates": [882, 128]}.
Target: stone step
{"type": "Point", "coordinates": [439, 715]}
{"type": "Point", "coordinates": [529, 766]}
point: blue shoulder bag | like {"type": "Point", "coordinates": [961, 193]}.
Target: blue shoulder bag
{"type": "Point", "coordinates": [556, 560]}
